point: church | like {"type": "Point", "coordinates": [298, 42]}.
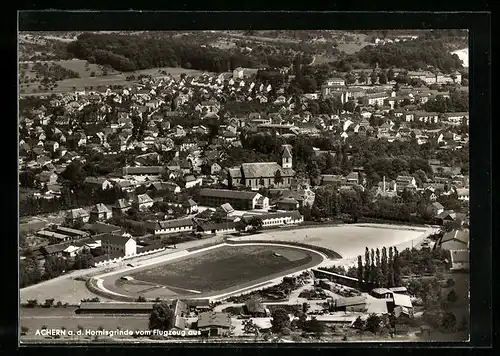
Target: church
{"type": "Point", "coordinates": [264, 174]}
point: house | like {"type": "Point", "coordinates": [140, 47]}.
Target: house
{"type": "Point", "coordinates": [446, 216]}
{"type": "Point", "coordinates": [170, 226]}
{"type": "Point", "coordinates": [349, 304]}
{"type": "Point", "coordinates": [53, 237]}
{"type": "Point", "coordinates": [100, 212]}
{"type": "Point", "coordinates": [98, 183]}
{"type": "Point", "coordinates": [192, 181]}
{"type": "Point", "coordinates": [215, 168]}
{"type": "Point", "coordinates": [191, 206]}
{"type": "Point", "coordinates": [125, 186]}
{"type": "Point", "coordinates": [214, 324]}
{"type": "Point", "coordinates": [120, 207]}
{"type": "Point", "coordinates": [455, 240]}
{"type": "Point", "coordinates": [335, 81]}
{"type": "Point", "coordinates": [224, 210]}
{"type": "Point", "coordinates": [240, 200]}
{"type": "Point", "coordinates": [278, 219]}
{"type": "Point", "coordinates": [78, 215]}
{"type": "Point", "coordinates": [287, 203]}
{"type": "Point", "coordinates": [118, 245]}
{"type": "Point", "coordinates": [375, 99]}
{"type": "Point", "coordinates": [143, 201]}
{"type": "Point", "coordinates": [99, 228]}
{"type": "Point", "coordinates": [463, 194]}
{"type": "Point", "coordinates": [435, 208]}
{"type": "Point", "coordinates": [47, 177]}
{"type": "Point", "coordinates": [381, 293]}
{"type": "Point", "coordinates": [459, 260]}
{"type": "Point", "coordinates": [143, 171]}
{"type": "Point", "coordinates": [73, 233]}
{"type": "Point", "coordinates": [216, 228]}
{"type": "Point", "coordinates": [407, 182]}
{"type": "Point", "coordinates": [238, 73]}
{"type": "Point", "coordinates": [400, 304]}
{"type": "Point", "coordinates": [255, 309]}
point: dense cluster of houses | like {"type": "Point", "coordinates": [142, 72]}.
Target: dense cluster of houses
{"type": "Point", "coordinates": [50, 142]}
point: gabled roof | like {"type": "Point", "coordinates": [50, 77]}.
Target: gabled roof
{"type": "Point", "coordinates": [100, 208]}
{"type": "Point", "coordinates": [75, 213]}
{"type": "Point", "coordinates": [226, 193]}
{"type": "Point", "coordinates": [209, 319]}
{"type": "Point", "coordinates": [456, 235]}
{"type": "Point", "coordinates": [143, 198]}
{"type": "Point", "coordinates": [121, 204]}
{"type": "Point", "coordinates": [168, 224]}
{"type": "Point", "coordinates": [115, 239]}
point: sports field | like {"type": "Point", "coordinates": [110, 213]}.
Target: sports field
{"type": "Point", "coordinates": [348, 240]}
{"type": "Point", "coordinates": [216, 271]}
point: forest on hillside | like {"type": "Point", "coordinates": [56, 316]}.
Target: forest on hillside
{"type": "Point", "coordinates": [130, 53]}
{"type": "Point", "coordinates": [411, 55]}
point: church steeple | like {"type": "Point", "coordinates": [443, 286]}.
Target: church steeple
{"type": "Point", "coordinates": [286, 157]}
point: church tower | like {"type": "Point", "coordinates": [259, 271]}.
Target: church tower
{"type": "Point", "coordinates": [286, 157]}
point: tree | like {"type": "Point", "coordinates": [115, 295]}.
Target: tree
{"type": "Point", "coordinates": [314, 326]}
{"type": "Point", "coordinates": [367, 272]}
{"type": "Point", "coordinates": [373, 268]}
{"type": "Point", "coordinates": [350, 105]}
{"type": "Point", "coordinates": [390, 75]}
{"type": "Point", "coordinates": [360, 271]}
{"type": "Point", "coordinates": [452, 296]}
{"type": "Point", "coordinates": [83, 260]}
{"type": "Point", "coordinates": [382, 77]}
{"type": "Point", "coordinates": [162, 317]}
{"type": "Point", "coordinates": [373, 323]}
{"type": "Point", "coordinates": [378, 273]}
{"type": "Point", "coordinates": [373, 78]}
{"type": "Point", "coordinates": [92, 74]}
{"type": "Point", "coordinates": [449, 321]}
{"type": "Point", "coordinates": [359, 323]}
{"type": "Point", "coordinates": [256, 222]}
{"type": "Point", "coordinates": [383, 267]}
{"type": "Point", "coordinates": [396, 268]}
{"type": "Point", "coordinates": [280, 319]}
{"type": "Point", "coordinates": [390, 269]}
{"type": "Point", "coordinates": [363, 77]}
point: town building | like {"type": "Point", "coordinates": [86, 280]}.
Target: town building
{"type": "Point", "coordinates": [118, 245]}
{"type": "Point", "coordinates": [214, 324]}
{"type": "Point", "coordinates": [240, 200]}
{"type": "Point", "coordinates": [264, 174]}
{"type": "Point", "coordinates": [100, 212]}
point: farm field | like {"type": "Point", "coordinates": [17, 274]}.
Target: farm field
{"type": "Point", "coordinates": [218, 270]}
{"type": "Point", "coordinates": [86, 81]}
{"type": "Point", "coordinates": [348, 240]}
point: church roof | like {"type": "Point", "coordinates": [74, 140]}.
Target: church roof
{"type": "Point", "coordinates": [264, 169]}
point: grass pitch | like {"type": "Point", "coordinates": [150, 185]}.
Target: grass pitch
{"type": "Point", "coordinates": [225, 267]}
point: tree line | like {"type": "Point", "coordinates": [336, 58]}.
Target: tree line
{"type": "Point", "coordinates": [130, 53]}
{"type": "Point", "coordinates": [411, 55]}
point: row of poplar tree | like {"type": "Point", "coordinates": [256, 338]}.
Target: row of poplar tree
{"type": "Point", "coordinates": [380, 269]}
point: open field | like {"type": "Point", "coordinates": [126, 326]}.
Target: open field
{"type": "Point", "coordinates": [348, 240]}
{"type": "Point", "coordinates": [86, 81]}
{"type": "Point", "coordinates": [218, 270]}
{"type": "Point", "coordinates": [173, 71]}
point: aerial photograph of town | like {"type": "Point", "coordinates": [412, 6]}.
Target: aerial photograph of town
{"type": "Point", "coordinates": [251, 186]}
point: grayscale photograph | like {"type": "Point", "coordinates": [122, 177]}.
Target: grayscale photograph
{"type": "Point", "coordinates": [250, 186]}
